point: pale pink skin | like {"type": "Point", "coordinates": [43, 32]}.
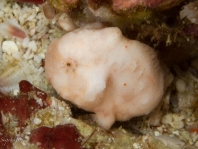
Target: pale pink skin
{"type": "Point", "coordinates": [100, 70]}
{"type": "Point", "coordinates": [126, 4]}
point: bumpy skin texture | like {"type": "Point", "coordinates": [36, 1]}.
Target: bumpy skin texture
{"type": "Point", "coordinates": [104, 72]}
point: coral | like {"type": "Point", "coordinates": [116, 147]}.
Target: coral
{"type": "Point", "coordinates": [64, 5]}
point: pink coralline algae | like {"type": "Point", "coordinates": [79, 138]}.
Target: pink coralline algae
{"type": "Point", "coordinates": [127, 4]}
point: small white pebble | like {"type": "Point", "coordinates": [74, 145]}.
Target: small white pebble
{"type": "Point", "coordinates": [23, 143]}
{"type": "Point", "coordinates": [32, 45]}
{"type": "Point", "coordinates": [32, 31]}
{"type": "Point", "coordinates": [156, 133]}
{"type": "Point", "coordinates": [42, 55]}
{"type": "Point", "coordinates": [28, 132]}
{"type": "Point", "coordinates": [69, 119]}
{"type": "Point", "coordinates": [9, 47]}
{"type": "Point", "coordinates": [66, 22]}
{"type": "Point", "coordinates": [136, 146]}
{"type": "Point", "coordinates": [37, 121]}
{"type": "Point", "coordinates": [28, 54]}
{"type": "Point", "coordinates": [37, 58]}
{"type": "Point", "coordinates": [40, 70]}
{"type": "Point", "coordinates": [16, 92]}
{"type": "Point", "coordinates": [61, 108]}
{"type": "Point", "coordinates": [25, 42]}
{"type": "Point", "coordinates": [180, 85]}
{"type": "Point", "coordinates": [38, 100]}
{"type": "Point", "coordinates": [176, 133]}
{"type": "Point", "coordinates": [19, 139]}
{"type": "Point", "coordinates": [17, 55]}
{"type": "Point", "coordinates": [30, 17]}
{"type": "Point", "coordinates": [27, 137]}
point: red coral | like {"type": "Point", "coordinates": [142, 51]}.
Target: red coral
{"type": "Point", "coordinates": [62, 136]}
{"type": "Point", "coordinates": [23, 105]}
